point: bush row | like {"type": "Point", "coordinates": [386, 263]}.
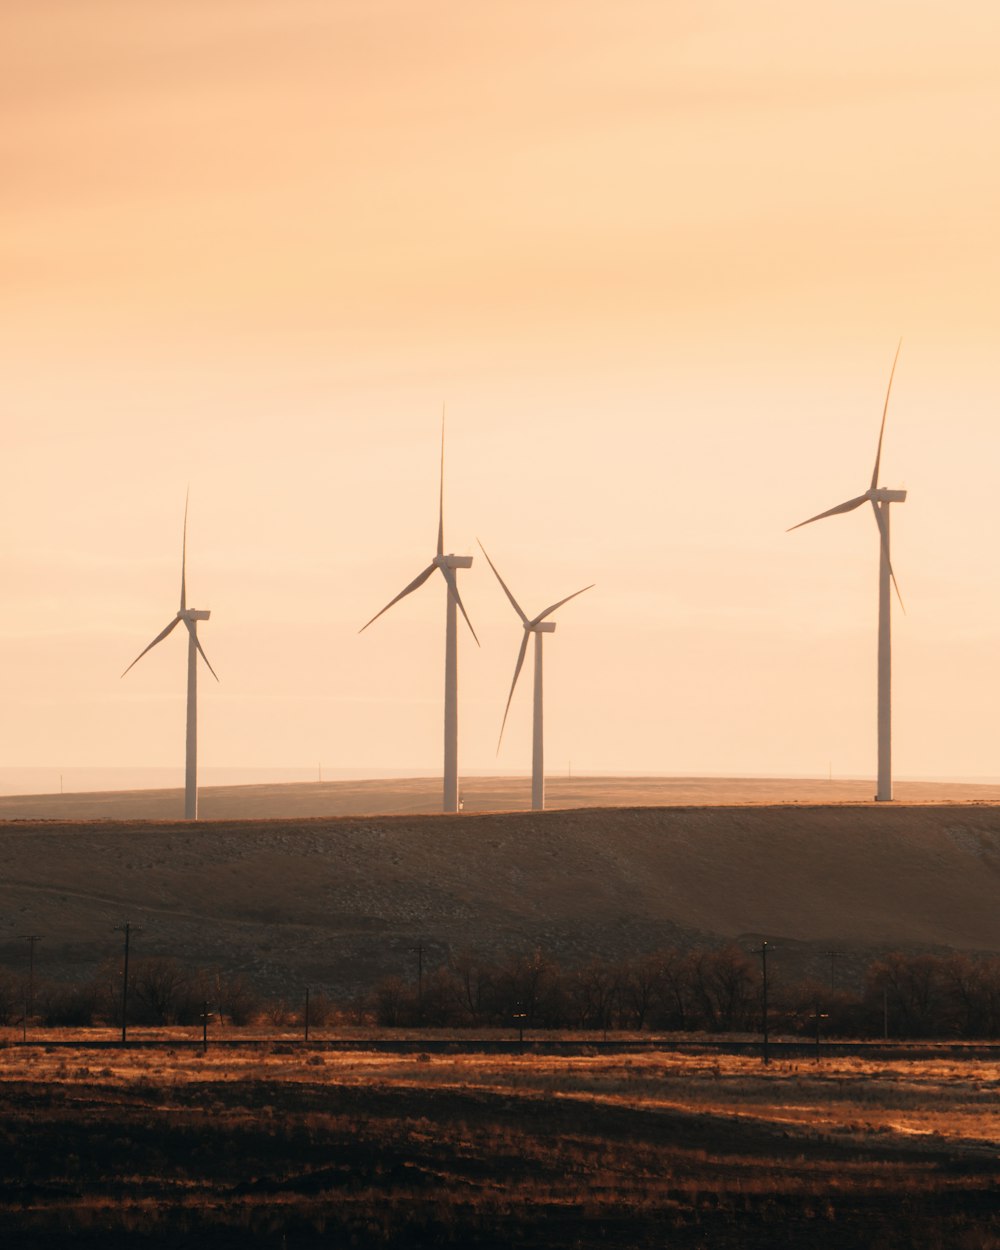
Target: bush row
{"type": "Point", "coordinates": [713, 989]}
{"type": "Point", "coordinates": [717, 989]}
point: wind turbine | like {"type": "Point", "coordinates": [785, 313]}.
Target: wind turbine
{"type": "Point", "coordinates": [880, 499]}
{"type": "Point", "coordinates": [190, 617]}
{"type": "Point", "coordinates": [448, 565]}
{"type": "Point", "coordinates": [538, 626]}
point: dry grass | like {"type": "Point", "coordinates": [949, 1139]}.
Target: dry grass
{"type": "Point", "coordinates": [953, 1102]}
{"type": "Point", "coordinates": [338, 903]}
{"type": "Point", "coordinates": [489, 1150]}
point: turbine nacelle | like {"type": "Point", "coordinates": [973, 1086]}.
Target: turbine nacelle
{"type": "Point", "coordinates": [880, 498]}
{"type": "Point", "coordinates": [534, 625]}
{"type": "Point", "coordinates": [448, 566]}
{"type": "Point", "coordinates": [189, 618]}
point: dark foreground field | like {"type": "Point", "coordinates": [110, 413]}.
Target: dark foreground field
{"type": "Point", "coordinates": [293, 1148]}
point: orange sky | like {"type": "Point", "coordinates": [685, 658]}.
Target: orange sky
{"type": "Point", "coordinates": [655, 258]}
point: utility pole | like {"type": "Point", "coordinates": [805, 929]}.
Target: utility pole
{"type": "Point", "coordinates": [218, 1001]}
{"type": "Point", "coordinates": [31, 939]}
{"type": "Point", "coordinates": [204, 1026]}
{"type": "Point", "coordinates": [765, 1055]}
{"type": "Point", "coordinates": [126, 927]}
{"type": "Point", "coordinates": [834, 956]}
{"type": "Point", "coordinates": [819, 1016]}
{"type": "Point", "coordinates": [419, 948]}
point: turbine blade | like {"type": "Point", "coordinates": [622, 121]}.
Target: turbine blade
{"type": "Point", "coordinates": [417, 581]}
{"type": "Point", "coordinates": [441, 495]}
{"type": "Point", "coordinates": [517, 606]}
{"type": "Point", "coordinates": [517, 673]}
{"type": "Point", "coordinates": [159, 638]}
{"type": "Point", "coordinates": [878, 453]}
{"type": "Point", "coordinates": [201, 650]}
{"type": "Point", "coordinates": [449, 577]}
{"type": "Point", "coordinates": [542, 615]}
{"type": "Point", "coordinates": [885, 547]}
{"type": "Point", "coordinates": [184, 552]}
{"type": "Point", "coordinates": [841, 507]}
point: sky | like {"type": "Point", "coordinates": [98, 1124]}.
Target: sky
{"type": "Point", "coordinates": [654, 259]}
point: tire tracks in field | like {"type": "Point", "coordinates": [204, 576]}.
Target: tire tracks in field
{"type": "Point", "coordinates": [113, 900]}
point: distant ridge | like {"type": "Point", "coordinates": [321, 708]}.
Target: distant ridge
{"type": "Point", "coordinates": [417, 795]}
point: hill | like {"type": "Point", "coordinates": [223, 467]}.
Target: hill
{"type": "Point", "coordinates": [340, 901]}
{"type": "Point", "coordinates": [479, 794]}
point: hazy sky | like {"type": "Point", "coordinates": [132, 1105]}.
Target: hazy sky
{"type": "Point", "coordinates": [654, 256]}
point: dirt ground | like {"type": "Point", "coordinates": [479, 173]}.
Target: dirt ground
{"type": "Point", "coordinates": [290, 1147]}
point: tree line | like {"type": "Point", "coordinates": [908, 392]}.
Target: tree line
{"type": "Point", "coordinates": [702, 989]}
{"type": "Point", "coordinates": [677, 989]}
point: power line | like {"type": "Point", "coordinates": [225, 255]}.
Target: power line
{"type": "Point", "coordinates": [762, 951]}
{"type": "Point", "coordinates": [127, 928]}
{"type": "Point", "coordinates": [29, 995]}
{"type": "Point", "coordinates": [419, 948]}
{"type": "Point", "coordinates": [833, 956]}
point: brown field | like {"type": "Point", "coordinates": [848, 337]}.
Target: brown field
{"type": "Point", "coordinates": [288, 1146]}
{"type": "Point", "coordinates": [338, 902]}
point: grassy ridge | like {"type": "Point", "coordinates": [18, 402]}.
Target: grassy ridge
{"type": "Point", "coordinates": [342, 901]}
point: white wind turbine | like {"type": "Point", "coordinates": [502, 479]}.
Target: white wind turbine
{"type": "Point", "coordinates": [880, 499]}
{"type": "Point", "coordinates": [447, 564]}
{"type": "Point", "coordinates": [190, 617]}
{"type": "Point", "coordinates": [538, 626]}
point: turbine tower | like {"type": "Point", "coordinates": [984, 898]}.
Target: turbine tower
{"type": "Point", "coordinates": [190, 617]}
{"type": "Point", "coordinates": [880, 499]}
{"type": "Point", "coordinates": [538, 626]}
{"type": "Point", "coordinates": [448, 564]}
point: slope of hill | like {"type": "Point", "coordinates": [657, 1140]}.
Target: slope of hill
{"type": "Point", "coordinates": [340, 901]}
